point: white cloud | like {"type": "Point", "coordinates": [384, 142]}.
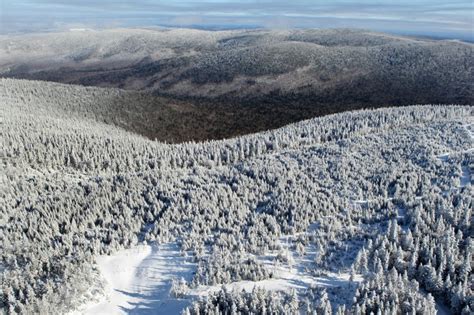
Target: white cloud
{"type": "Point", "coordinates": [439, 16]}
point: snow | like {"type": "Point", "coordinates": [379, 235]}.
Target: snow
{"type": "Point", "coordinates": [465, 177]}
{"type": "Point", "coordinates": [466, 171]}
{"type": "Point", "coordinates": [444, 157]}
{"type": "Point", "coordinates": [286, 276]}
{"type": "Point", "coordinates": [284, 280]}
{"type": "Point", "coordinates": [401, 215]}
{"type": "Point", "coordinates": [442, 309]}
{"type": "Point", "coordinates": [470, 129]}
{"type": "Point", "coordinates": [139, 279]}
{"type": "Point", "coordinates": [295, 275]}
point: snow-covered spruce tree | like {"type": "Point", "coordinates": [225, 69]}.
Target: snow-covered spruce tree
{"type": "Point", "coordinates": [74, 187]}
{"type": "Point", "coordinates": [257, 301]}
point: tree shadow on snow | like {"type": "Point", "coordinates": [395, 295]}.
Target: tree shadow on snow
{"type": "Point", "coordinates": [153, 282]}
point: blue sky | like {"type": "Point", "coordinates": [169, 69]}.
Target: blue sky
{"type": "Point", "coordinates": [449, 18]}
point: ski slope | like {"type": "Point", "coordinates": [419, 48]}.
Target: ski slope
{"type": "Point", "coordinates": [139, 279]}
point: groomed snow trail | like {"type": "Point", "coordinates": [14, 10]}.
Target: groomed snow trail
{"type": "Point", "coordinates": [139, 280]}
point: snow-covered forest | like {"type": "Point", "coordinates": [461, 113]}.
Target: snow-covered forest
{"type": "Point", "coordinates": [354, 213]}
{"type": "Point", "coordinates": [196, 85]}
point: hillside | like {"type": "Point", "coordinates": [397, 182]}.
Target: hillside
{"type": "Point", "coordinates": [362, 211]}
{"type": "Point", "coordinates": [274, 77]}
{"type": "Point", "coordinates": [155, 117]}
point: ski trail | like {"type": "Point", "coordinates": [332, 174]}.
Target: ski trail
{"type": "Point", "coordinates": [139, 280]}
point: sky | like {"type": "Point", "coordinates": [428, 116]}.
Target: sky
{"type": "Point", "coordinates": [441, 18]}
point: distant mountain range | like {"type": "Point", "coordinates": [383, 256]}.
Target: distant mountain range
{"type": "Point", "coordinates": [242, 81]}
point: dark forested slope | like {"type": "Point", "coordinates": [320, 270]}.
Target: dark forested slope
{"type": "Point", "coordinates": [235, 82]}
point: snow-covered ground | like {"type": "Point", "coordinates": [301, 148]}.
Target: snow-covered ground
{"type": "Point", "coordinates": [287, 276]}
{"type": "Point", "coordinates": [442, 309]}
{"type": "Point", "coordinates": [296, 276]}
{"type": "Point", "coordinates": [469, 126]}
{"type": "Point", "coordinates": [466, 172]}
{"type": "Point", "coordinates": [465, 177]}
{"type": "Point", "coordinates": [284, 280]}
{"type": "Point", "coordinates": [465, 180]}
{"type": "Point", "coordinates": [139, 280]}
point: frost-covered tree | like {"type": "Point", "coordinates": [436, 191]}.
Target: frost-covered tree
{"type": "Point", "coordinates": [362, 191]}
